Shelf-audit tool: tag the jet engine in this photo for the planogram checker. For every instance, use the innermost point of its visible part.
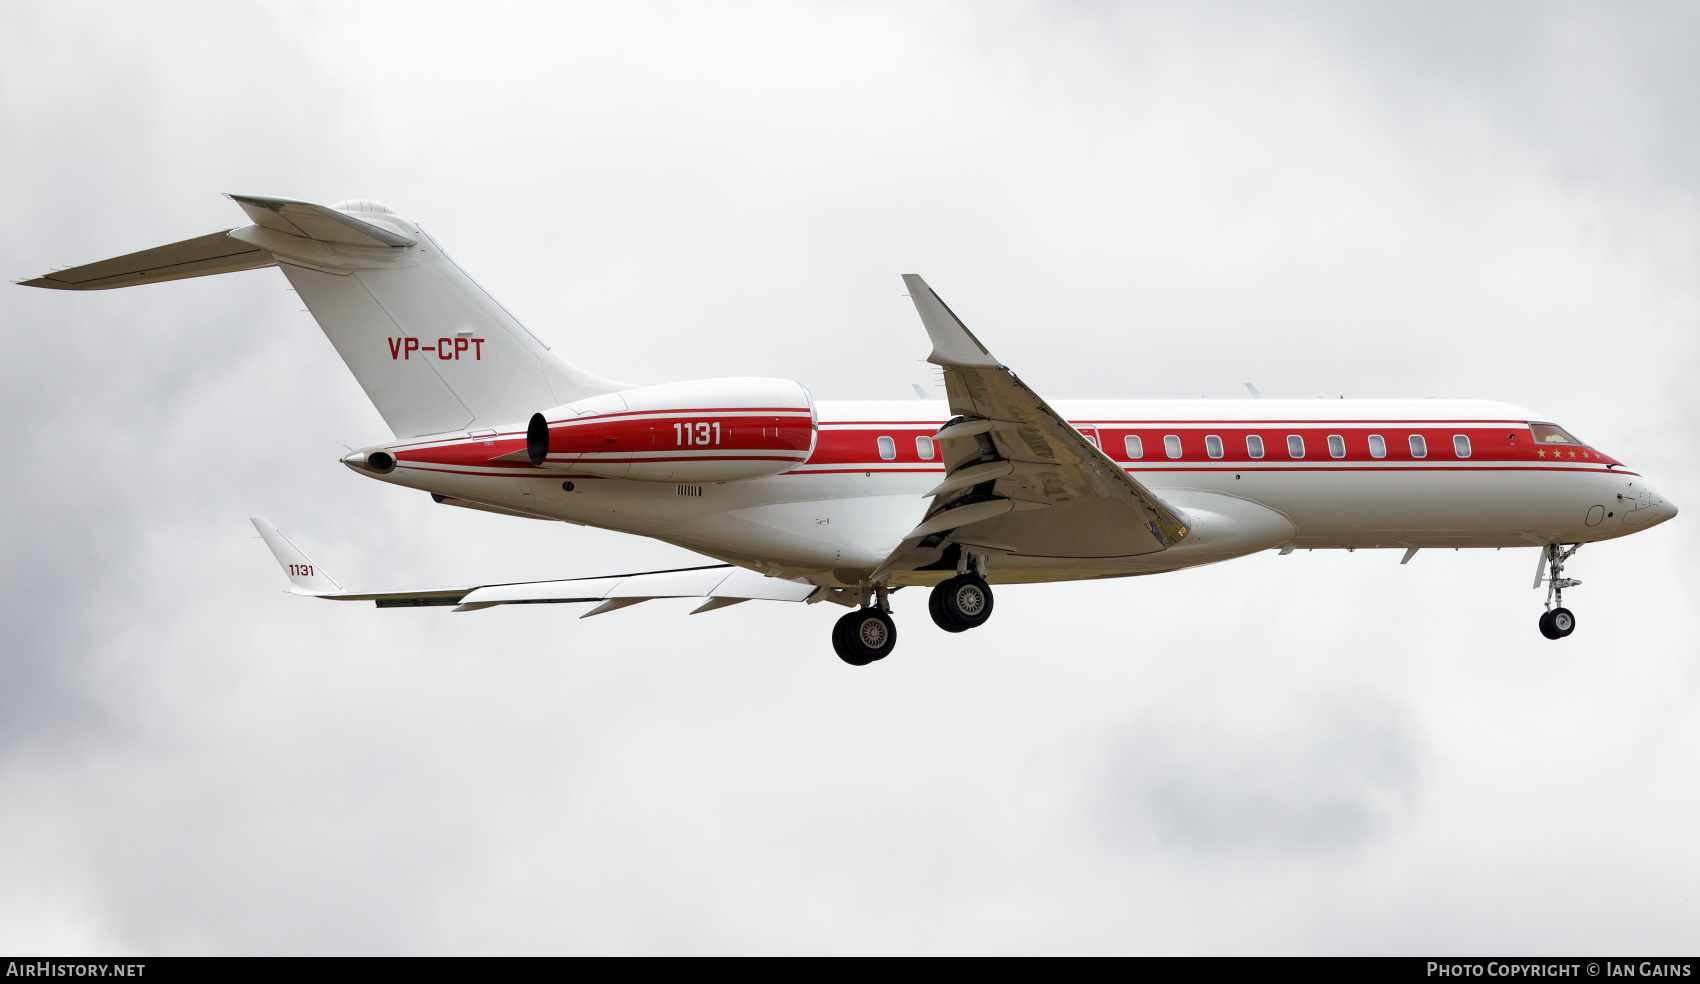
(706, 430)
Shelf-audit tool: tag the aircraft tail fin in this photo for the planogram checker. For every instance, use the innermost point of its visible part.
(434, 352)
(305, 577)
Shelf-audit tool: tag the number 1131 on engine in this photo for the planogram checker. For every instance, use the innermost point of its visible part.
(696, 433)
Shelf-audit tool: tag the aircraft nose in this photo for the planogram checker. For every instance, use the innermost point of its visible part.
(1653, 509)
(1667, 508)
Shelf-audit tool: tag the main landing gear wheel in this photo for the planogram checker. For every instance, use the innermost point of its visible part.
(964, 602)
(1558, 623)
(863, 636)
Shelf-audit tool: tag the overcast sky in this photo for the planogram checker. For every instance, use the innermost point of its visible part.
(1320, 753)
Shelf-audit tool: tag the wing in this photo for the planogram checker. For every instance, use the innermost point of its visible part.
(720, 585)
(1018, 477)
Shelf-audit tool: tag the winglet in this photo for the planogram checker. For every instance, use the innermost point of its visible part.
(953, 343)
(305, 577)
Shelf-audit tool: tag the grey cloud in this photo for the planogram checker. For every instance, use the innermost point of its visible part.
(1306, 772)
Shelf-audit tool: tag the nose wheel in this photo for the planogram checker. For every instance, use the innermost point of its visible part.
(1558, 621)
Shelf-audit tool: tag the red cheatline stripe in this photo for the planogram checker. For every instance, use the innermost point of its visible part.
(777, 459)
(478, 474)
(1265, 422)
(689, 411)
(522, 471)
(934, 424)
(805, 470)
(1321, 466)
(1395, 466)
(1312, 424)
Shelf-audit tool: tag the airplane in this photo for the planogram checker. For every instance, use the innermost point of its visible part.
(849, 502)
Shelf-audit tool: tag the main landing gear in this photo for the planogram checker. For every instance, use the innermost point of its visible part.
(1558, 621)
(869, 633)
(964, 602)
(864, 635)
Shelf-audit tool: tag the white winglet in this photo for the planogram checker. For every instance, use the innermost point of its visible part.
(305, 577)
(953, 343)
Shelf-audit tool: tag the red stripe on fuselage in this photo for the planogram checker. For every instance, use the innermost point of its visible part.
(851, 446)
(1489, 441)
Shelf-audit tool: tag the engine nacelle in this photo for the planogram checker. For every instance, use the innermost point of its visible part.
(705, 430)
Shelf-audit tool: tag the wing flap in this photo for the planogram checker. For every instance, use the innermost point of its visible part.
(719, 581)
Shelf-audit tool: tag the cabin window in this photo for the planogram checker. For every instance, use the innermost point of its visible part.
(888, 448)
(1295, 446)
(1172, 444)
(1254, 445)
(1336, 446)
(924, 447)
(1377, 446)
(1213, 446)
(1419, 447)
(1461, 445)
(1135, 447)
(1553, 434)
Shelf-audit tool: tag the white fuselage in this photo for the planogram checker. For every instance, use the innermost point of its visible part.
(1482, 480)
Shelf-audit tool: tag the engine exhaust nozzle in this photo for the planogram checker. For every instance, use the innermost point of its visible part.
(377, 462)
(537, 439)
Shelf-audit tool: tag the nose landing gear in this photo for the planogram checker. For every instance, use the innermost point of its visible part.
(1558, 621)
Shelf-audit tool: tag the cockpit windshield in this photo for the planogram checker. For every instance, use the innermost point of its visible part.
(1553, 434)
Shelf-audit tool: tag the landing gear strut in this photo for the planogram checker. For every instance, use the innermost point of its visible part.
(867, 634)
(1558, 621)
(964, 602)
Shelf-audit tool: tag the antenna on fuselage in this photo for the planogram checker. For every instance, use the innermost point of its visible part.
(1254, 393)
